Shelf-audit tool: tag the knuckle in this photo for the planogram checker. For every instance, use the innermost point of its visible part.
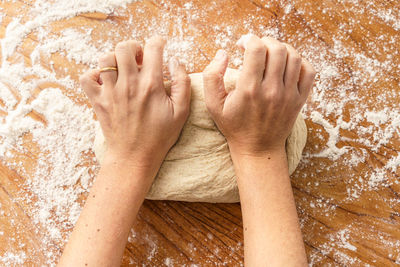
(250, 93)
(106, 106)
(297, 59)
(121, 46)
(313, 72)
(156, 42)
(83, 79)
(309, 69)
(310, 74)
(133, 45)
(294, 54)
(289, 47)
(289, 97)
(277, 48)
(292, 51)
(250, 87)
(269, 39)
(87, 80)
(256, 47)
(274, 95)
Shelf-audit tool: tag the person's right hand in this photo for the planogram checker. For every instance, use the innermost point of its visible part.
(258, 116)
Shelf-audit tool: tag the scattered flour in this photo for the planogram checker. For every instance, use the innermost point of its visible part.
(13, 259)
(356, 119)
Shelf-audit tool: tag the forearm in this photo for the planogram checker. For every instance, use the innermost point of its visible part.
(100, 235)
(272, 233)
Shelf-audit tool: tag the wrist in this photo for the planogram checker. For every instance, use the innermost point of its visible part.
(133, 160)
(132, 168)
(255, 169)
(272, 153)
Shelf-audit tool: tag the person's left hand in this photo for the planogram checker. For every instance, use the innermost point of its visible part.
(139, 119)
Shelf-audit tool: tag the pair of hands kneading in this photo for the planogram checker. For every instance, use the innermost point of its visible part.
(254, 110)
(199, 167)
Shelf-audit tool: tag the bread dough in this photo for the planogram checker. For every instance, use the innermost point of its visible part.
(199, 167)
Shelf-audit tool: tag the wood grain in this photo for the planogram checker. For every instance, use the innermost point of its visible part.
(339, 229)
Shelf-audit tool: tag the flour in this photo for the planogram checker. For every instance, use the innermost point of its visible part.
(64, 134)
(76, 126)
(13, 259)
(348, 80)
(73, 45)
(43, 12)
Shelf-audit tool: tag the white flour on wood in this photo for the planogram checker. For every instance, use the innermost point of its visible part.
(340, 104)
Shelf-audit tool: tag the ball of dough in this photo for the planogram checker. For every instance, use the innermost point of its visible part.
(199, 167)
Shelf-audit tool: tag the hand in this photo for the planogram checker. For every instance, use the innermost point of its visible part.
(272, 87)
(139, 119)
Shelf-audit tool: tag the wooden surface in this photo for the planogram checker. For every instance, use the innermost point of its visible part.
(346, 219)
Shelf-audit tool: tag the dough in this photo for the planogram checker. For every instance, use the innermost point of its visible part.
(199, 167)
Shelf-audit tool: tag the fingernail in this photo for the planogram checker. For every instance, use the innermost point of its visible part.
(173, 65)
(221, 55)
(139, 55)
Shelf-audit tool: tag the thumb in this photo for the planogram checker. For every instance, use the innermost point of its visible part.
(180, 85)
(213, 81)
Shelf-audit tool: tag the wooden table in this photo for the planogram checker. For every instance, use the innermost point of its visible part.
(346, 188)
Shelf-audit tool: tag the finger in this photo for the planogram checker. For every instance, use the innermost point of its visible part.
(254, 61)
(213, 81)
(180, 86)
(90, 83)
(243, 41)
(276, 60)
(125, 54)
(153, 58)
(109, 78)
(306, 81)
(293, 66)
